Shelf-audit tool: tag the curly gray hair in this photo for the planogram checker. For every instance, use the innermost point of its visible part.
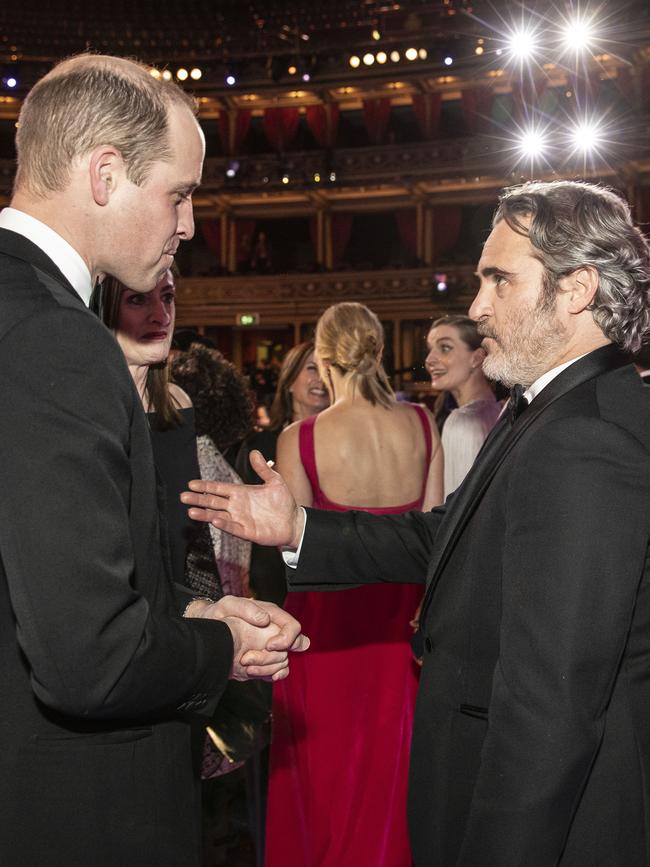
(575, 224)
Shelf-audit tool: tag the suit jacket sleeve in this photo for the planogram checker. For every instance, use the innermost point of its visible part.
(95, 646)
(345, 549)
(573, 558)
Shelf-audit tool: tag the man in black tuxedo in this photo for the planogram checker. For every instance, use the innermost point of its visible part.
(531, 743)
(99, 668)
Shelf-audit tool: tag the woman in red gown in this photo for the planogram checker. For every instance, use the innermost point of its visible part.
(342, 720)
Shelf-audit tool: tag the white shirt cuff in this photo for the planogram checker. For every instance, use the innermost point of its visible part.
(292, 555)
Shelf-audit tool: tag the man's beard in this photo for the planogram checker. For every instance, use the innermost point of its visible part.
(525, 345)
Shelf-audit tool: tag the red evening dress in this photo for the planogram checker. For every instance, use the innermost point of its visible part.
(343, 718)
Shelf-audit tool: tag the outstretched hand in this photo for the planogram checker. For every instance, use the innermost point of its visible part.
(266, 514)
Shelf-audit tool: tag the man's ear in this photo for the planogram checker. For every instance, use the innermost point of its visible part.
(580, 287)
(105, 168)
(478, 357)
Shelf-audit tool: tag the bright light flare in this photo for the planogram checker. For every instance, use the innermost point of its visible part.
(586, 136)
(578, 35)
(522, 44)
(532, 143)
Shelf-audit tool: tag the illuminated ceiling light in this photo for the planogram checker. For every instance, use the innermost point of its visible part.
(11, 82)
(195, 73)
(368, 59)
(354, 61)
(395, 56)
(522, 44)
(317, 177)
(586, 136)
(231, 80)
(155, 73)
(381, 57)
(578, 35)
(332, 176)
(167, 74)
(285, 178)
(532, 143)
(292, 69)
(448, 60)
(423, 54)
(479, 50)
(411, 54)
(182, 74)
(376, 35)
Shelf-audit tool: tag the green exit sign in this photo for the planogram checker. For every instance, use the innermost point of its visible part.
(248, 318)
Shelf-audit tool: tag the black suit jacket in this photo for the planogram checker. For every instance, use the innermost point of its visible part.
(95, 660)
(532, 734)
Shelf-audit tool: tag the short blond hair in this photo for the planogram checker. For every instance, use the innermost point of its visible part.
(351, 337)
(87, 101)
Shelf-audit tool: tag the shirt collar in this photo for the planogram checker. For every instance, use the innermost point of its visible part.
(533, 390)
(64, 256)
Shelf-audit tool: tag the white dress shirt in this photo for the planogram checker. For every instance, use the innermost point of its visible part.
(64, 256)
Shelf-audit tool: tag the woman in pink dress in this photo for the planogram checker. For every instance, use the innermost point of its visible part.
(342, 721)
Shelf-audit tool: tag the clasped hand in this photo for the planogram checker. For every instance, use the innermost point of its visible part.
(263, 635)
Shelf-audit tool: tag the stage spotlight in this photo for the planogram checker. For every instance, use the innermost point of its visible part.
(167, 74)
(306, 76)
(423, 54)
(531, 143)
(285, 178)
(448, 60)
(381, 57)
(586, 136)
(395, 56)
(376, 35)
(368, 59)
(231, 79)
(195, 73)
(155, 73)
(233, 168)
(292, 69)
(182, 74)
(441, 282)
(479, 50)
(11, 81)
(411, 54)
(317, 177)
(578, 35)
(522, 44)
(354, 61)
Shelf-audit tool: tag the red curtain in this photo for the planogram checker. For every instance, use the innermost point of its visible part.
(376, 113)
(244, 231)
(477, 109)
(407, 225)
(341, 231)
(211, 231)
(323, 122)
(447, 220)
(427, 108)
(281, 126)
(233, 138)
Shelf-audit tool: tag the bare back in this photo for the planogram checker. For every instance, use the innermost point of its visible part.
(366, 457)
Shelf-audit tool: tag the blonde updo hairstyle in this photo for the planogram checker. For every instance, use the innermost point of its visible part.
(350, 337)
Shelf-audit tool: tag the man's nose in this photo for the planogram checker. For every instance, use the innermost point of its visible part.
(482, 304)
(186, 220)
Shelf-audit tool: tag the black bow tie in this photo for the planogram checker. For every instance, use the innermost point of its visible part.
(517, 403)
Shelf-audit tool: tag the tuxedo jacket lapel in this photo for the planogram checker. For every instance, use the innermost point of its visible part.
(498, 445)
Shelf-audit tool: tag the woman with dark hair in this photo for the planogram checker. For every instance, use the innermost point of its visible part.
(299, 394)
(342, 729)
(454, 363)
(143, 324)
(223, 417)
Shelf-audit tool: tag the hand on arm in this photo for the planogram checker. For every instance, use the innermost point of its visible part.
(266, 514)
